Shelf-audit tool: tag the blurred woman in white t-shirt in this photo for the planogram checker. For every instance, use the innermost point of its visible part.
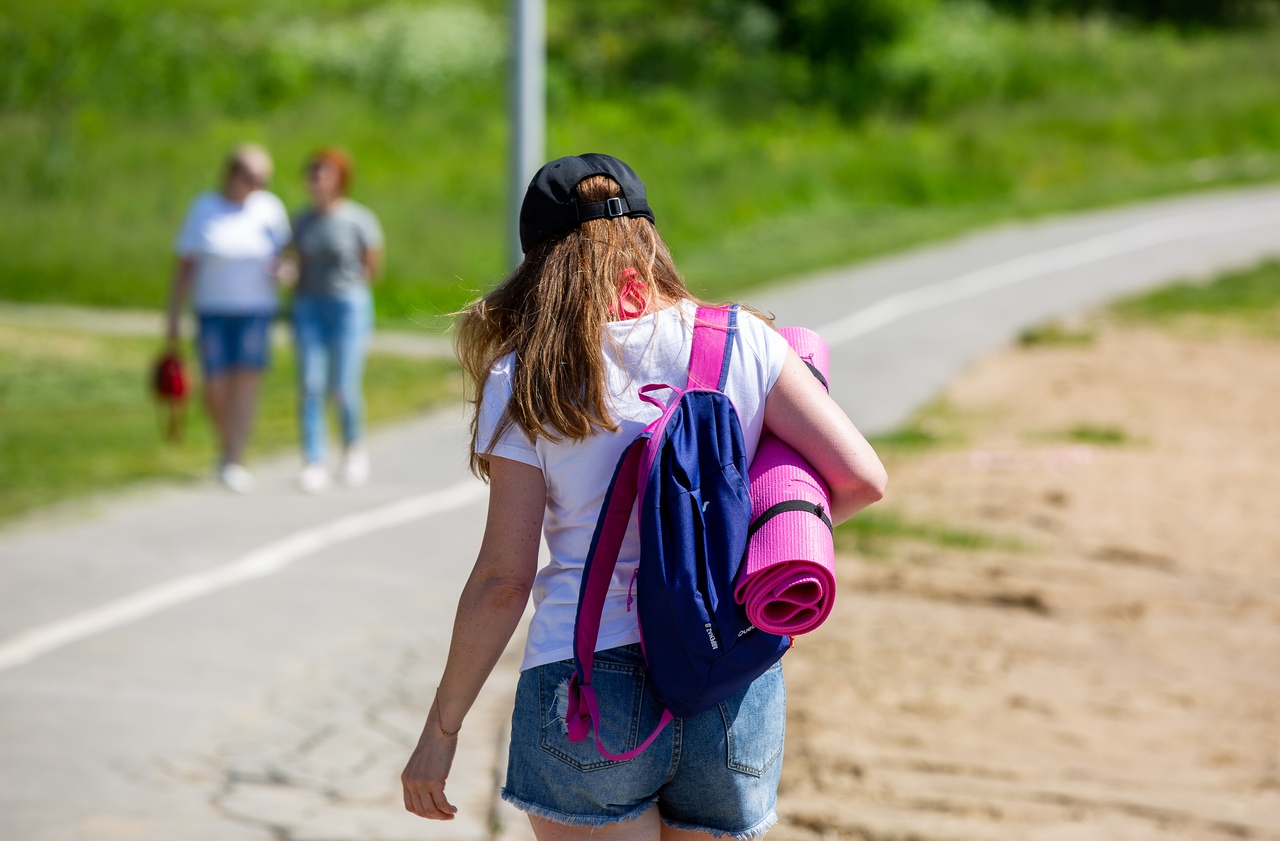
(227, 258)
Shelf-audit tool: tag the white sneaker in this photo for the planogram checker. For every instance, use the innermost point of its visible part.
(314, 479)
(236, 478)
(355, 469)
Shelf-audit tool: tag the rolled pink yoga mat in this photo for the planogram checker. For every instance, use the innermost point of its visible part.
(788, 583)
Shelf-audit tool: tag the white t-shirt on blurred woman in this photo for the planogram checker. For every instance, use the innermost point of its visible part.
(234, 246)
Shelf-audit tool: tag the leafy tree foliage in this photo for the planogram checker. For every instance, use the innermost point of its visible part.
(1184, 13)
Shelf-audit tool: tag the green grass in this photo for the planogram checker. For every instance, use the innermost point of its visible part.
(1055, 334)
(907, 439)
(936, 424)
(872, 532)
(128, 189)
(1249, 298)
(1102, 435)
(76, 415)
(1109, 436)
(1067, 116)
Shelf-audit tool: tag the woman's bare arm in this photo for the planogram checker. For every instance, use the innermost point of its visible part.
(489, 610)
(804, 416)
(184, 271)
(372, 259)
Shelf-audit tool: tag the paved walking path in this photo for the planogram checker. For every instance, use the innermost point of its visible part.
(112, 322)
(189, 664)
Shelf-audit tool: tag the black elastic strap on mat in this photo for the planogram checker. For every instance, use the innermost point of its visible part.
(813, 369)
(790, 505)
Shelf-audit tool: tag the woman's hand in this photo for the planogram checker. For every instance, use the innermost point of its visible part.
(286, 272)
(489, 610)
(184, 272)
(371, 259)
(424, 776)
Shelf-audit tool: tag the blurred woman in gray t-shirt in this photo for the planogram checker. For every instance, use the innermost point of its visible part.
(339, 245)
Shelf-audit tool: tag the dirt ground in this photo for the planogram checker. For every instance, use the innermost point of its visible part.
(1108, 666)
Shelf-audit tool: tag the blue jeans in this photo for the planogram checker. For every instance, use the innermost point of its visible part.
(331, 334)
(715, 772)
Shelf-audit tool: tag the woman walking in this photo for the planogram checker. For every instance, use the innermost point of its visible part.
(339, 244)
(228, 254)
(556, 353)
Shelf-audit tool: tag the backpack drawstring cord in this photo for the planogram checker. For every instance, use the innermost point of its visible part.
(631, 586)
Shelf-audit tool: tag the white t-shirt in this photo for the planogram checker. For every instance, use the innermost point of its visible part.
(234, 247)
(651, 349)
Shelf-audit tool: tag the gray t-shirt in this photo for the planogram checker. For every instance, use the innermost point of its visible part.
(332, 247)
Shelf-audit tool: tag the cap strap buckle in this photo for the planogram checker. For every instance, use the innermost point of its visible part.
(614, 207)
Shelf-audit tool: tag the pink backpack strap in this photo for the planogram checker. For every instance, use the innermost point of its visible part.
(713, 331)
(603, 557)
(582, 716)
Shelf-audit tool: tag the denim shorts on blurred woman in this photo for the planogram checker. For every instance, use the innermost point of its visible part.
(715, 772)
(233, 341)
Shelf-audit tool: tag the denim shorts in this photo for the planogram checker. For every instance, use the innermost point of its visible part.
(233, 341)
(715, 772)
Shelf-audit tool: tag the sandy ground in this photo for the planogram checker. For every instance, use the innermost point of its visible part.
(1110, 667)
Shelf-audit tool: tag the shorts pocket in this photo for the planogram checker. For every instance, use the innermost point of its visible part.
(755, 723)
(620, 692)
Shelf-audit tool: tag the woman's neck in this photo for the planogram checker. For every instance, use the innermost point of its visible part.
(325, 204)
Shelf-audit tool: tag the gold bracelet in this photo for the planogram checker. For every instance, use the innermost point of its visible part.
(440, 724)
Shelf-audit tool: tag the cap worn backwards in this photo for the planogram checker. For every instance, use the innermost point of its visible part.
(551, 208)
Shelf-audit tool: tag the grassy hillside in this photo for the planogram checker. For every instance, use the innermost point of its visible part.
(759, 165)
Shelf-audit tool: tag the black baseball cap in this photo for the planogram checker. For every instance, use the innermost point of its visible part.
(551, 208)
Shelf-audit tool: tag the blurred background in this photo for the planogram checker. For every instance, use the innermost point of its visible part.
(786, 135)
(780, 136)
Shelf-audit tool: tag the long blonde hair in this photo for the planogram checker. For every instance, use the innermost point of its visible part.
(551, 313)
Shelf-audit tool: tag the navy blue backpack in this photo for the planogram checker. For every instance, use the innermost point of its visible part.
(689, 471)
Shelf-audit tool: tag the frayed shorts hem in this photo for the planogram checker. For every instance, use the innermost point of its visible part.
(751, 832)
(595, 821)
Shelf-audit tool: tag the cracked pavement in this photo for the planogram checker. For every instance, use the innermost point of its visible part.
(331, 771)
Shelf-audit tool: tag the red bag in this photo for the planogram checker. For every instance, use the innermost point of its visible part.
(169, 383)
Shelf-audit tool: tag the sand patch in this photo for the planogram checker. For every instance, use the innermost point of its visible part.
(1109, 668)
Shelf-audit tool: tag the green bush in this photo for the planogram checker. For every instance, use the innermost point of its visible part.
(1185, 13)
(842, 40)
(757, 58)
(177, 62)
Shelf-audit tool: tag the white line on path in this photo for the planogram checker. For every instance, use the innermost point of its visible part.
(259, 563)
(1094, 250)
